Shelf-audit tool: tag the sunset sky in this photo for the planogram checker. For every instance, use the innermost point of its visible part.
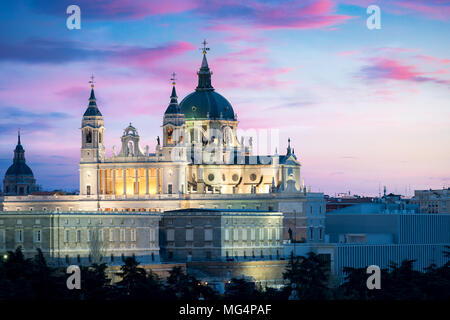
(363, 108)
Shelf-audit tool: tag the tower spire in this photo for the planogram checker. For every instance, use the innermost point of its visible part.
(92, 109)
(288, 152)
(204, 74)
(18, 137)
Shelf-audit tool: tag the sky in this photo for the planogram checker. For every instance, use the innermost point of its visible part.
(364, 108)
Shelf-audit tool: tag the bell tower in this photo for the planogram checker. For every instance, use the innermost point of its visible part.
(173, 124)
(92, 145)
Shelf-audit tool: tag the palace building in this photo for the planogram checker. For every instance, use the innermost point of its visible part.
(200, 164)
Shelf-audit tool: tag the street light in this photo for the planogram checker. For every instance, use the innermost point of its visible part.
(5, 257)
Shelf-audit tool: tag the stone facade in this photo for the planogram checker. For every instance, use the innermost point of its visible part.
(215, 234)
(81, 237)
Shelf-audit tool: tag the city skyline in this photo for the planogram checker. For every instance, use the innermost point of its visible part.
(363, 108)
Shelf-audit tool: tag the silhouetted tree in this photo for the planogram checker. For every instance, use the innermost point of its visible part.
(310, 275)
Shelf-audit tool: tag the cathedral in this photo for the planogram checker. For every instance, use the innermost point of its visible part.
(200, 153)
(201, 194)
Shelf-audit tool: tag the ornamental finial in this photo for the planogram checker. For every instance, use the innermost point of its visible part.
(205, 48)
(173, 79)
(92, 81)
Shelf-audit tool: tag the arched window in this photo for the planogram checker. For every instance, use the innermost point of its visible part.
(169, 135)
(88, 136)
(100, 137)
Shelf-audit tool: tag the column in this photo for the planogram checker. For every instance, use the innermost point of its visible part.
(157, 181)
(136, 182)
(114, 181)
(146, 181)
(98, 181)
(124, 181)
(103, 180)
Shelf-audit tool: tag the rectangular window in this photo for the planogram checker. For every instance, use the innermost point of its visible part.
(269, 234)
(2, 236)
(19, 235)
(111, 234)
(235, 234)
(66, 236)
(253, 234)
(37, 235)
(208, 235)
(261, 234)
(133, 234)
(122, 235)
(189, 234)
(152, 233)
(78, 236)
(170, 235)
(169, 188)
(244, 234)
(89, 236)
(101, 235)
(227, 234)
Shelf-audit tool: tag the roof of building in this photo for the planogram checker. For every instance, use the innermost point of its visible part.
(204, 102)
(376, 208)
(216, 210)
(19, 167)
(92, 109)
(173, 107)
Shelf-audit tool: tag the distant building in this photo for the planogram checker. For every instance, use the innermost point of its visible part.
(432, 201)
(334, 203)
(19, 179)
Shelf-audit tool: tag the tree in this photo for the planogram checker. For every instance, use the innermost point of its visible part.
(133, 280)
(95, 285)
(186, 287)
(310, 276)
(240, 289)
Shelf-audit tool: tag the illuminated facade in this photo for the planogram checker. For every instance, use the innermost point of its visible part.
(199, 163)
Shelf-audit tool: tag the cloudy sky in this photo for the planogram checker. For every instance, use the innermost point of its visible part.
(363, 108)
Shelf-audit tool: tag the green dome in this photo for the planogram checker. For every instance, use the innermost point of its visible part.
(204, 102)
(206, 105)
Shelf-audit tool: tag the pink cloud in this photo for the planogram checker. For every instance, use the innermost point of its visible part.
(271, 16)
(436, 9)
(394, 69)
(145, 57)
(118, 9)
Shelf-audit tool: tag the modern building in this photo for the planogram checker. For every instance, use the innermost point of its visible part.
(379, 234)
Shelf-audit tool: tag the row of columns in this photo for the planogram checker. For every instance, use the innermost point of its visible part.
(102, 180)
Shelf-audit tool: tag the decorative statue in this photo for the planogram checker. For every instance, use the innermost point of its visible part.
(157, 140)
(114, 151)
